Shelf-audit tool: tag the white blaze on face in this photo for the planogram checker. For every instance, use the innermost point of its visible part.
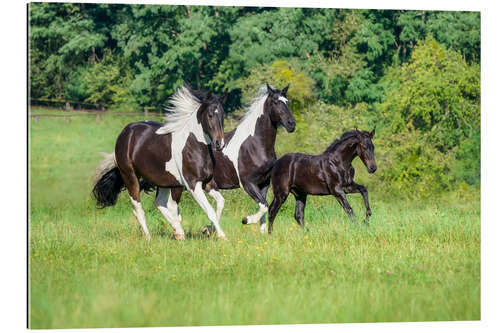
(216, 110)
(283, 99)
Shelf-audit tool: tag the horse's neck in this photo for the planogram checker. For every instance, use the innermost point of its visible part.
(260, 129)
(265, 134)
(192, 127)
(345, 153)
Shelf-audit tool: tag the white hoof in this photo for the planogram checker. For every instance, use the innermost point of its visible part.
(179, 236)
(222, 236)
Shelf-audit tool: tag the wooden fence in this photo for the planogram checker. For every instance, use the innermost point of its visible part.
(65, 113)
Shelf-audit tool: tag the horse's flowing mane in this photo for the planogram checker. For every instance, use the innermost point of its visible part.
(182, 107)
(347, 135)
(256, 107)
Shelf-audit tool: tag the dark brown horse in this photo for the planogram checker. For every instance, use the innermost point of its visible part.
(247, 159)
(170, 156)
(329, 173)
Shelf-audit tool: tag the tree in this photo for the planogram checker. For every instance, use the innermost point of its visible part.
(61, 37)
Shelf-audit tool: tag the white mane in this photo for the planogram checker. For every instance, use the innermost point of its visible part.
(245, 128)
(182, 109)
(255, 110)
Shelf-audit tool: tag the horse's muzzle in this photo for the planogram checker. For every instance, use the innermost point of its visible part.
(372, 169)
(219, 144)
(290, 126)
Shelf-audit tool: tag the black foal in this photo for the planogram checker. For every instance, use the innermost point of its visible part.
(329, 173)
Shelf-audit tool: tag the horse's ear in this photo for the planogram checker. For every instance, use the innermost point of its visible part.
(208, 96)
(269, 89)
(223, 98)
(285, 90)
(372, 133)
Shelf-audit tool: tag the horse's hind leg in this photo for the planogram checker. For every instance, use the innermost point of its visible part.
(169, 209)
(299, 208)
(133, 187)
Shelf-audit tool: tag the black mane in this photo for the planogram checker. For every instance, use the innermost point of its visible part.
(347, 135)
(202, 96)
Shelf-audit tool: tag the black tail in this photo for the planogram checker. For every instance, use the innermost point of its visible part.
(108, 187)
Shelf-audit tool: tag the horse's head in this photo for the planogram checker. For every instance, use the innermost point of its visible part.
(366, 149)
(211, 116)
(277, 104)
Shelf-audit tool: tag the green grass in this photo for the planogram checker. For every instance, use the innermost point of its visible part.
(417, 261)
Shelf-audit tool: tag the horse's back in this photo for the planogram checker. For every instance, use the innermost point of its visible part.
(140, 149)
(301, 172)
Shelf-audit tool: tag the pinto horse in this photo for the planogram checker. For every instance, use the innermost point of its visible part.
(329, 173)
(248, 157)
(170, 156)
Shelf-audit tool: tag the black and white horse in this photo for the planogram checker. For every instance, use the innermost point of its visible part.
(248, 157)
(170, 156)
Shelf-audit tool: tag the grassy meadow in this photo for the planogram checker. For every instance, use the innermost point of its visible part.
(418, 260)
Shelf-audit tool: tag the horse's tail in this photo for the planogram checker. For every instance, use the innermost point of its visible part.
(108, 182)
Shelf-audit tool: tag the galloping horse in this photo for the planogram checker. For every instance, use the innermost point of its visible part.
(170, 156)
(328, 173)
(248, 157)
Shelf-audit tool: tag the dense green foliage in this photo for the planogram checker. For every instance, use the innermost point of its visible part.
(413, 74)
(417, 261)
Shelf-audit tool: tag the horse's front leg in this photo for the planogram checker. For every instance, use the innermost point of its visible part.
(212, 190)
(341, 198)
(255, 192)
(263, 226)
(202, 200)
(166, 201)
(357, 188)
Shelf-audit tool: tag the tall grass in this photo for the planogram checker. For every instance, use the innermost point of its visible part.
(416, 261)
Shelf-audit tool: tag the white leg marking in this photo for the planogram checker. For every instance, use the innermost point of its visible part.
(251, 219)
(170, 211)
(201, 199)
(263, 225)
(219, 199)
(139, 214)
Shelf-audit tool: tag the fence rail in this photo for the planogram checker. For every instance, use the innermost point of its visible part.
(68, 105)
(79, 113)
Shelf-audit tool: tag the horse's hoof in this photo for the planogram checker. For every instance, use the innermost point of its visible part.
(222, 237)
(206, 231)
(148, 237)
(179, 236)
(244, 221)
